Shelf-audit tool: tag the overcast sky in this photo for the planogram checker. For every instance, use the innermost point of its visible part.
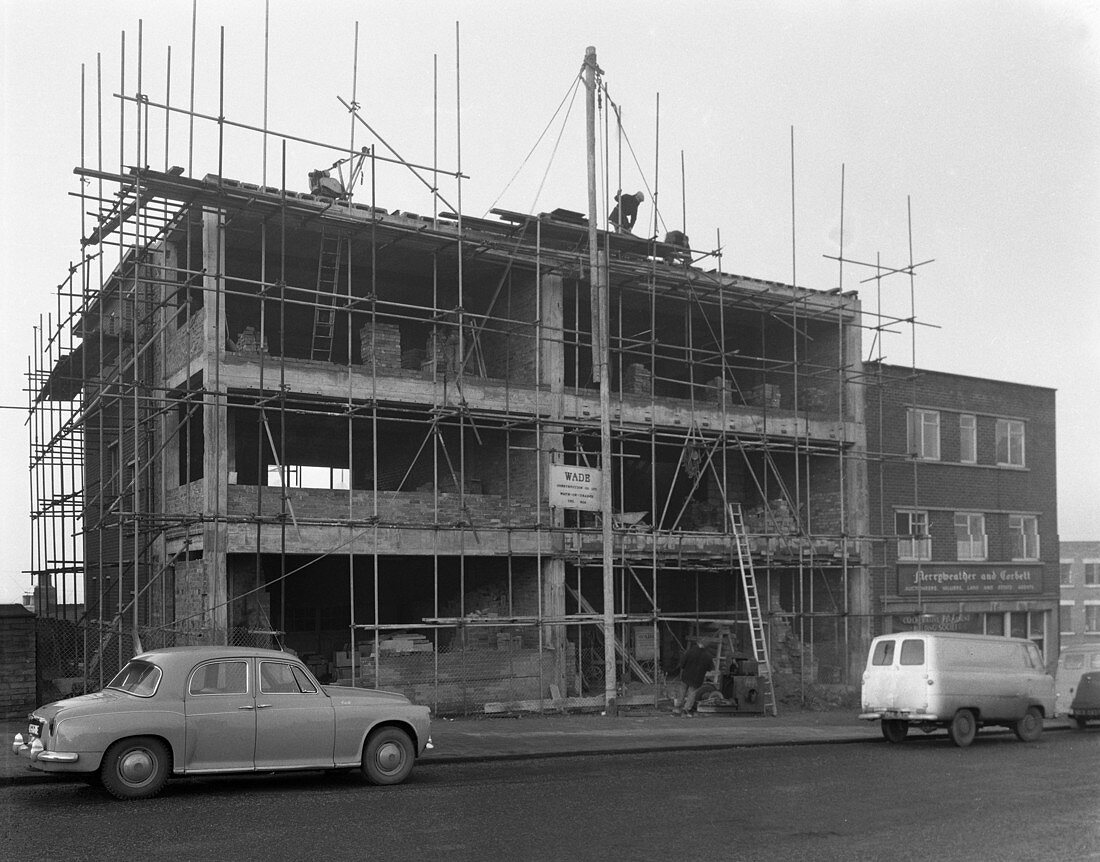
(984, 115)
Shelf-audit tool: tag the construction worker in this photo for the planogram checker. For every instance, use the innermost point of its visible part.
(695, 664)
(624, 215)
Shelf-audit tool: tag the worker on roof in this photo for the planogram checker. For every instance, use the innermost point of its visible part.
(622, 218)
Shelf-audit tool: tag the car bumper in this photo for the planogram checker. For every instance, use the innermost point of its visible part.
(36, 752)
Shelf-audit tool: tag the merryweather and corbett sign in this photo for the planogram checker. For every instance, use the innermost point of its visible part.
(970, 579)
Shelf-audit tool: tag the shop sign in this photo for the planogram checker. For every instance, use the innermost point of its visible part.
(969, 579)
(575, 487)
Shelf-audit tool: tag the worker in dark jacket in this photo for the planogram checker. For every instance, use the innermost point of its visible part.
(622, 218)
(695, 664)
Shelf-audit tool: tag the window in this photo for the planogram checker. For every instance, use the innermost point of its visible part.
(1024, 530)
(111, 470)
(305, 476)
(1092, 617)
(1065, 617)
(884, 653)
(1010, 443)
(1065, 571)
(924, 434)
(138, 677)
(279, 677)
(220, 677)
(970, 536)
(912, 652)
(914, 543)
(1092, 573)
(968, 439)
(1018, 624)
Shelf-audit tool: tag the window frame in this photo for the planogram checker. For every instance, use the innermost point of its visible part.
(191, 692)
(1092, 609)
(920, 437)
(975, 548)
(1008, 432)
(1070, 605)
(1091, 568)
(916, 546)
(968, 438)
(1017, 530)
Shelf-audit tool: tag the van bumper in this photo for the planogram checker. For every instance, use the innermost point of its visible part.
(897, 715)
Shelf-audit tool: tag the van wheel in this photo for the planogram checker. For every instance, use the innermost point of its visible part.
(1030, 727)
(1081, 722)
(963, 728)
(895, 730)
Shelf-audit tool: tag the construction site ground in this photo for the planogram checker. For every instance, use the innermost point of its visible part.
(518, 737)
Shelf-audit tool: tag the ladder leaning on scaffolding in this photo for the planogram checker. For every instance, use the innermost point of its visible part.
(328, 278)
(752, 605)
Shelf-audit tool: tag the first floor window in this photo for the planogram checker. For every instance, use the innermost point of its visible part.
(1092, 618)
(970, 536)
(1010, 442)
(914, 543)
(1092, 573)
(1065, 618)
(924, 434)
(1024, 530)
(968, 439)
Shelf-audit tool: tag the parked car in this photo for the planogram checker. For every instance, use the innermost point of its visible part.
(202, 710)
(1073, 696)
(956, 681)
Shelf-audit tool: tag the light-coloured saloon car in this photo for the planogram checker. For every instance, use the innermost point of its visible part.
(208, 710)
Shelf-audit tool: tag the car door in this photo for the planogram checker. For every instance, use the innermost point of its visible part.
(220, 712)
(295, 722)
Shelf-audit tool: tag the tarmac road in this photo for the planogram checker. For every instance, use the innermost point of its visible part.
(925, 799)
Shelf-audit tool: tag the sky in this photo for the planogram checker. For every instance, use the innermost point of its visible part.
(970, 129)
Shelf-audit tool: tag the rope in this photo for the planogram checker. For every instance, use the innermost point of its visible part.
(571, 91)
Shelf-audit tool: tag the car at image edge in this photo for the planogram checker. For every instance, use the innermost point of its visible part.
(182, 711)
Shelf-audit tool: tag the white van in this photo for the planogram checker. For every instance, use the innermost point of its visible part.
(956, 681)
(1073, 663)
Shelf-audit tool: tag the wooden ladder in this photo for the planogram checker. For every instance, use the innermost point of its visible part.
(752, 605)
(324, 312)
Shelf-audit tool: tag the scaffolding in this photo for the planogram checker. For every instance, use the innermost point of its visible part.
(306, 420)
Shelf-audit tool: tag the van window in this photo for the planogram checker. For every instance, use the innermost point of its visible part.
(912, 652)
(884, 653)
(1073, 661)
(1096, 660)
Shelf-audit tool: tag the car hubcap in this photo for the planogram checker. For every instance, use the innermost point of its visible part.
(390, 757)
(136, 766)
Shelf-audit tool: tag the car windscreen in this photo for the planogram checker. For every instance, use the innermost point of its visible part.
(138, 677)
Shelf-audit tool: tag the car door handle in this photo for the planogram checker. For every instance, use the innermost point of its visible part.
(246, 707)
(263, 706)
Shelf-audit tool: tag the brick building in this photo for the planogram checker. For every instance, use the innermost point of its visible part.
(963, 493)
(1079, 611)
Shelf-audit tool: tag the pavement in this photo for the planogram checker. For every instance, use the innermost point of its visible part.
(523, 736)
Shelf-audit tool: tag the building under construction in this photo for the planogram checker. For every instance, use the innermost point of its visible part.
(299, 418)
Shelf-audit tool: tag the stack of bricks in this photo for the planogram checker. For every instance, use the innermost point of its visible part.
(381, 344)
(719, 391)
(637, 379)
(766, 395)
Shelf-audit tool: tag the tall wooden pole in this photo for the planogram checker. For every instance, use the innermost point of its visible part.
(597, 261)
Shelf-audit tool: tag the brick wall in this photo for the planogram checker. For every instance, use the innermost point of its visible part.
(944, 487)
(17, 661)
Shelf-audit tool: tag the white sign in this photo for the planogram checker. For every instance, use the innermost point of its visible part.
(575, 487)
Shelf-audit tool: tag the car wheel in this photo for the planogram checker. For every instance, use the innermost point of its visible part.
(963, 728)
(1030, 727)
(135, 768)
(388, 756)
(1080, 721)
(895, 730)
